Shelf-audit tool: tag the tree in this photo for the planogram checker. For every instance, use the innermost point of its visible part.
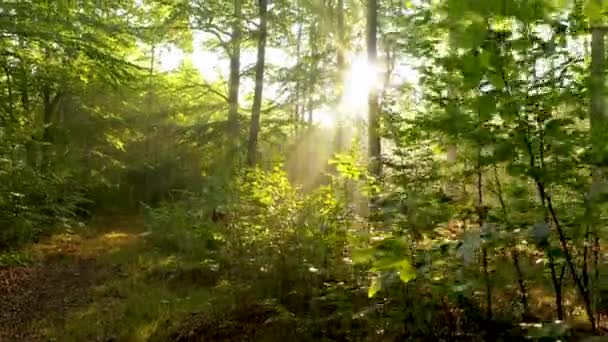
(235, 70)
(373, 108)
(259, 84)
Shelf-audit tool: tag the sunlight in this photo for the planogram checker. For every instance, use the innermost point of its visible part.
(324, 118)
(358, 82)
(170, 58)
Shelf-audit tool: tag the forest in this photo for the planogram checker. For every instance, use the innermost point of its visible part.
(303, 170)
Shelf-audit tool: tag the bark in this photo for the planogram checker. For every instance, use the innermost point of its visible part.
(481, 213)
(514, 253)
(9, 86)
(597, 117)
(313, 71)
(550, 214)
(49, 105)
(25, 100)
(259, 85)
(557, 286)
(584, 292)
(298, 90)
(341, 65)
(375, 165)
(234, 79)
(557, 282)
(546, 200)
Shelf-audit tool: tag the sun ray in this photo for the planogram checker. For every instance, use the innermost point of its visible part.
(360, 79)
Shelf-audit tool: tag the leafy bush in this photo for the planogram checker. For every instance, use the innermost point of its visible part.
(32, 203)
(281, 242)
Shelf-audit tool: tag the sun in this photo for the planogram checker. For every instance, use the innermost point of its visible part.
(359, 80)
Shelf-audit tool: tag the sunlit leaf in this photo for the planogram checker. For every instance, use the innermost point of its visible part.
(363, 255)
(406, 271)
(374, 287)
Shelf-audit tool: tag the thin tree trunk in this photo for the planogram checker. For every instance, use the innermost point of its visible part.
(514, 253)
(550, 212)
(147, 177)
(49, 105)
(557, 286)
(481, 214)
(259, 85)
(298, 107)
(25, 100)
(546, 198)
(596, 276)
(375, 165)
(313, 71)
(9, 87)
(584, 293)
(341, 65)
(234, 80)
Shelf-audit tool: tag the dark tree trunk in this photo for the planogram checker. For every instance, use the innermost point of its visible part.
(298, 90)
(259, 85)
(235, 69)
(514, 253)
(375, 165)
(313, 72)
(341, 65)
(598, 120)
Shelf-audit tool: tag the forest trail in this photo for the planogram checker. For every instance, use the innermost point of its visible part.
(60, 279)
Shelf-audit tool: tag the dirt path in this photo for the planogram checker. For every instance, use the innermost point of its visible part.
(61, 277)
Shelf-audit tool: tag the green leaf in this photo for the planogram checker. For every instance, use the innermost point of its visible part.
(474, 35)
(504, 151)
(485, 59)
(363, 255)
(593, 10)
(406, 271)
(497, 81)
(374, 287)
(487, 106)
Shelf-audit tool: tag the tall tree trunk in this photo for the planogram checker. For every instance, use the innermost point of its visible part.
(551, 214)
(25, 100)
(259, 85)
(597, 117)
(481, 216)
(513, 245)
(9, 88)
(375, 165)
(313, 70)
(49, 105)
(341, 65)
(235, 69)
(298, 90)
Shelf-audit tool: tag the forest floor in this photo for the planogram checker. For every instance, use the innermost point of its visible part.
(88, 284)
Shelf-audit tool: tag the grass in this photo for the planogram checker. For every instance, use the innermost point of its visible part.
(134, 295)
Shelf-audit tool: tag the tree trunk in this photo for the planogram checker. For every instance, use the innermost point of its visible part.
(514, 253)
(259, 85)
(557, 286)
(49, 105)
(597, 118)
(298, 105)
(9, 88)
(341, 65)
(375, 165)
(234, 81)
(481, 214)
(313, 70)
